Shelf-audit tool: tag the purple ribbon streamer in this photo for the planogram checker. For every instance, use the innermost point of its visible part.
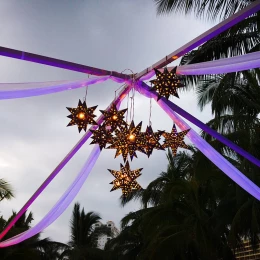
(203, 146)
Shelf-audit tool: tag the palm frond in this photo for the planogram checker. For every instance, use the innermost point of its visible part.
(82, 226)
(202, 8)
(6, 191)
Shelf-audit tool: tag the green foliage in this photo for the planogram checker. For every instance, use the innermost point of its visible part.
(209, 9)
(33, 248)
(83, 236)
(6, 191)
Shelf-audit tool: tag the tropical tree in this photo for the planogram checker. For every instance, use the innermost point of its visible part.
(211, 9)
(33, 248)
(234, 101)
(84, 235)
(6, 191)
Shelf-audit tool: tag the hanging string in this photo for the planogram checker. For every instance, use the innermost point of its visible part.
(133, 100)
(86, 93)
(150, 116)
(133, 104)
(129, 70)
(127, 108)
(119, 89)
(130, 112)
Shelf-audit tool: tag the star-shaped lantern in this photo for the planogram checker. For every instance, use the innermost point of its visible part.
(128, 140)
(175, 140)
(125, 179)
(114, 118)
(166, 83)
(101, 136)
(152, 140)
(82, 116)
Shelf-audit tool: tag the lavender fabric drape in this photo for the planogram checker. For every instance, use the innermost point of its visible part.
(22, 90)
(61, 205)
(31, 89)
(227, 65)
(204, 147)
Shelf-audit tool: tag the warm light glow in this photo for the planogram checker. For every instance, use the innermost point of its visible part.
(125, 179)
(131, 137)
(81, 115)
(166, 83)
(114, 117)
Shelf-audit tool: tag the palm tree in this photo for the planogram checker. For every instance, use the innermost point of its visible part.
(210, 8)
(6, 191)
(129, 243)
(33, 248)
(83, 235)
(50, 250)
(234, 100)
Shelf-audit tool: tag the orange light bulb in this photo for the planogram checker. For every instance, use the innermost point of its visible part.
(131, 137)
(114, 117)
(81, 115)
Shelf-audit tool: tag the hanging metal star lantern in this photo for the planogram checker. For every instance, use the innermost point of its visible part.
(152, 140)
(128, 141)
(166, 83)
(125, 179)
(114, 118)
(82, 116)
(175, 139)
(101, 136)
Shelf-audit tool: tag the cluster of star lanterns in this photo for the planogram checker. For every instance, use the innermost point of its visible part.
(128, 139)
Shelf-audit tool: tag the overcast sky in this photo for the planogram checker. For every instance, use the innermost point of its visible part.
(113, 35)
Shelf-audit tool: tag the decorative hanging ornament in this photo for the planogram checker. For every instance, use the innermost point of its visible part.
(175, 139)
(114, 118)
(82, 116)
(128, 141)
(166, 83)
(125, 179)
(101, 136)
(152, 140)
